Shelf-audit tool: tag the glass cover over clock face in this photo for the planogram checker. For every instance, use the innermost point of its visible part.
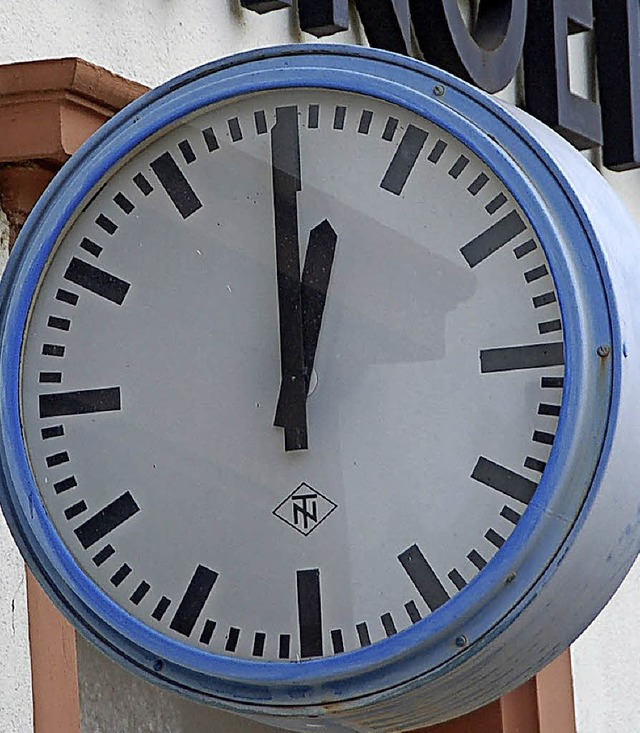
(293, 375)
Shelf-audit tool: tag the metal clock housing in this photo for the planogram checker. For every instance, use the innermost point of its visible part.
(317, 390)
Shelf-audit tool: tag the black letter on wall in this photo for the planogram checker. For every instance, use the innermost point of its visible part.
(387, 24)
(487, 54)
(323, 17)
(265, 6)
(546, 70)
(618, 60)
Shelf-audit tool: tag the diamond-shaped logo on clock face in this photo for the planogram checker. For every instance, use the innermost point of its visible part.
(304, 509)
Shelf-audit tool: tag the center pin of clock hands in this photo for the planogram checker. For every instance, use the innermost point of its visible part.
(301, 301)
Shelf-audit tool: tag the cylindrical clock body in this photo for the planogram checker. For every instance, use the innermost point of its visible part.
(318, 384)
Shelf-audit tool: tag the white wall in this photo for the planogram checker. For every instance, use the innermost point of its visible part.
(15, 677)
(150, 41)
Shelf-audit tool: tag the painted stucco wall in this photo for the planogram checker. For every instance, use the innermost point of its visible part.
(150, 41)
(15, 679)
(146, 40)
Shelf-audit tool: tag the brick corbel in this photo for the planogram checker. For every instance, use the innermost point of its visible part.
(49, 108)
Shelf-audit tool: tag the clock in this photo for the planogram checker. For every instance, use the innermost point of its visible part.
(318, 372)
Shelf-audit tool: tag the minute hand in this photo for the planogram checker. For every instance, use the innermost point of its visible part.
(285, 167)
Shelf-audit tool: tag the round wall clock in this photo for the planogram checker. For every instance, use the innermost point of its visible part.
(318, 381)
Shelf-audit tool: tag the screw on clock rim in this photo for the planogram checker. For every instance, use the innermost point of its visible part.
(402, 657)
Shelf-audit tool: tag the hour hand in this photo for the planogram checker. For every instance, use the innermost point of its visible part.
(313, 294)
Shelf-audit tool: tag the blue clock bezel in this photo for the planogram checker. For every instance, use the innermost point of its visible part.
(569, 484)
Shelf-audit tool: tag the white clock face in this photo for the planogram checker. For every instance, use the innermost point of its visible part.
(285, 242)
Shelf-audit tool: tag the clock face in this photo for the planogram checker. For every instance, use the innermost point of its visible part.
(292, 375)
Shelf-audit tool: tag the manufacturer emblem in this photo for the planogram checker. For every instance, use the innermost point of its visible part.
(304, 509)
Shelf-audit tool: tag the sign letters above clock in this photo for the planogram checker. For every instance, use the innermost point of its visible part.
(318, 381)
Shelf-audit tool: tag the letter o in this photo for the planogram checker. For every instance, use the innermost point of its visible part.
(486, 55)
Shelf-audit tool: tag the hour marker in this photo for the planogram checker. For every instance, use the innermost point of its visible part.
(478, 184)
(412, 612)
(493, 238)
(107, 519)
(552, 382)
(512, 358)
(234, 129)
(284, 646)
(62, 324)
(79, 402)
(363, 634)
(437, 151)
(535, 274)
(365, 122)
(57, 459)
(339, 117)
(66, 297)
(207, 631)
(544, 299)
(75, 509)
(55, 431)
(337, 641)
(549, 326)
(551, 410)
(493, 205)
(503, 480)
(423, 577)
(260, 122)
(496, 539)
(160, 610)
(477, 559)
(65, 484)
(98, 281)
(388, 625)
(192, 603)
(121, 573)
(122, 202)
(309, 612)
(140, 592)
(457, 579)
(106, 224)
(404, 160)
(534, 464)
(540, 436)
(232, 640)
(524, 249)
(187, 151)
(91, 247)
(178, 189)
(52, 350)
(105, 553)
(50, 377)
(390, 129)
(143, 184)
(210, 139)
(314, 116)
(457, 168)
(259, 639)
(510, 515)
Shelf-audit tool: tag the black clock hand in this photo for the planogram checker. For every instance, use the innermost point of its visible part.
(285, 168)
(318, 262)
